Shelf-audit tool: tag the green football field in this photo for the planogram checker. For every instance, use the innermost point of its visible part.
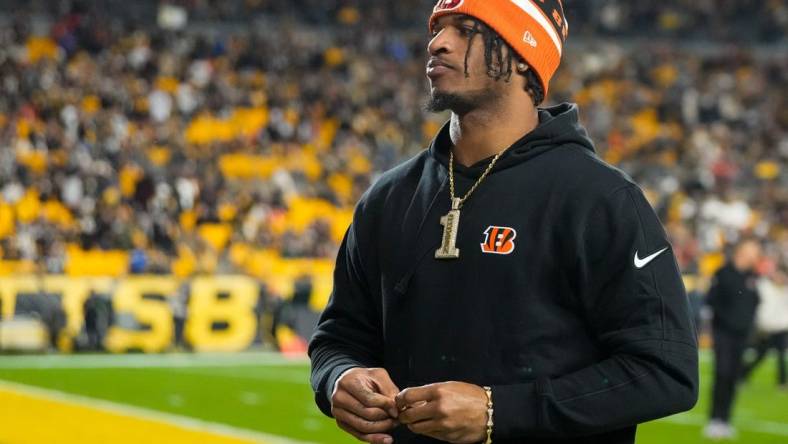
(270, 394)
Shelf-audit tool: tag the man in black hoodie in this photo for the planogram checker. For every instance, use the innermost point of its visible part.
(505, 283)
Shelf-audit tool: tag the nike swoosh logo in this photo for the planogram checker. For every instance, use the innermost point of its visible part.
(640, 263)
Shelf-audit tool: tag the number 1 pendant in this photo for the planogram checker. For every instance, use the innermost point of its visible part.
(450, 223)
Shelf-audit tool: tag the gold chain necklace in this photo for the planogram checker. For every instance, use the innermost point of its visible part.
(451, 221)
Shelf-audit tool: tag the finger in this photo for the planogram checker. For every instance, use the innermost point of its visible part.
(345, 400)
(430, 428)
(385, 385)
(369, 398)
(412, 395)
(373, 438)
(387, 388)
(420, 411)
(361, 424)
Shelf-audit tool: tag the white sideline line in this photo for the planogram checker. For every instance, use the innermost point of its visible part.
(751, 425)
(294, 379)
(148, 414)
(151, 360)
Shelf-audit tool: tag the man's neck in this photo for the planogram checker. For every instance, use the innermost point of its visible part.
(482, 133)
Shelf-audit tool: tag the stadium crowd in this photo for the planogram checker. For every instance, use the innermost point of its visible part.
(179, 152)
(734, 21)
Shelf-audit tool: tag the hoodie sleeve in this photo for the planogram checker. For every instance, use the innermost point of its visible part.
(348, 333)
(636, 308)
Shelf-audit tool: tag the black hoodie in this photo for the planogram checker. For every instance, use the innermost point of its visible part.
(566, 297)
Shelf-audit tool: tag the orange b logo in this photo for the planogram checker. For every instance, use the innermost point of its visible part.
(498, 240)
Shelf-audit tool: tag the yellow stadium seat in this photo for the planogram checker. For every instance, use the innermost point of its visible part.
(341, 185)
(227, 212)
(239, 253)
(185, 264)
(7, 225)
(96, 262)
(710, 263)
(23, 128)
(340, 221)
(334, 56)
(28, 207)
(16, 267)
(188, 220)
(349, 15)
(167, 84)
(246, 122)
(39, 48)
(326, 135)
(245, 166)
(35, 160)
(55, 212)
(359, 164)
(127, 179)
(91, 104)
(159, 155)
(216, 235)
(767, 170)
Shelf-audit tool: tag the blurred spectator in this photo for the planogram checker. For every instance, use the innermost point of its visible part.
(179, 306)
(772, 324)
(98, 318)
(733, 297)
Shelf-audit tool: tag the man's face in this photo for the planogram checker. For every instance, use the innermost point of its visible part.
(449, 86)
(750, 254)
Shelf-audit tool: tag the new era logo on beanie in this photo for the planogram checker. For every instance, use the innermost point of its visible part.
(535, 29)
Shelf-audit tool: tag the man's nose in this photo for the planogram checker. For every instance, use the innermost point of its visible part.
(439, 44)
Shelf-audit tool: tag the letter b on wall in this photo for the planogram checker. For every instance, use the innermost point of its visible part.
(221, 313)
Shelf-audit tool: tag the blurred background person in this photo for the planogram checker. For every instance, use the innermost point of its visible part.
(771, 324)
(733, 297)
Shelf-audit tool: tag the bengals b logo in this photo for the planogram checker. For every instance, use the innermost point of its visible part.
(447, 4)
(498, 240)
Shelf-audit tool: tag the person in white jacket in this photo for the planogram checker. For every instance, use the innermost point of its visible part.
(772, 324)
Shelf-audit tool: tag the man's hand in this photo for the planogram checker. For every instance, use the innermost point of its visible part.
(363, 404)
(449, 411)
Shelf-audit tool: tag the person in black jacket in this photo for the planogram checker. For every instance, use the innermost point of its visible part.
(733, 297)
(505, 283)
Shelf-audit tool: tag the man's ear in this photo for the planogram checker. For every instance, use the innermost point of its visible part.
(522, 67)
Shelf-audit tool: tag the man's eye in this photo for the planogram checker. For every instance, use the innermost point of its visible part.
(465, 30)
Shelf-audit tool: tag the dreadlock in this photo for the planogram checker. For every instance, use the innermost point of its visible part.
(499, 66)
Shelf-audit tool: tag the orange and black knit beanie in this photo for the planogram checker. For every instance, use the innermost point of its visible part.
(535, 29)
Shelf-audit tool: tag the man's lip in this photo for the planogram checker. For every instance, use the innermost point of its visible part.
(434, 63)
(437, 70)
(437, 67)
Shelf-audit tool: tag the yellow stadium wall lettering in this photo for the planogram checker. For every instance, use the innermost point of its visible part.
(72, 291)
(220, 315)
(229, 300)
(11, 287)
(130, 298)
(7, 298)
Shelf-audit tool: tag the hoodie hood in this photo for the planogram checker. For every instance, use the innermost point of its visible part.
(558, 125)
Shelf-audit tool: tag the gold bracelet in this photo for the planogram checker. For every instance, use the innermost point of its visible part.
(488, 391)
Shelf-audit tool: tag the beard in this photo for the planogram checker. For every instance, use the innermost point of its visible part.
(460, 103)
